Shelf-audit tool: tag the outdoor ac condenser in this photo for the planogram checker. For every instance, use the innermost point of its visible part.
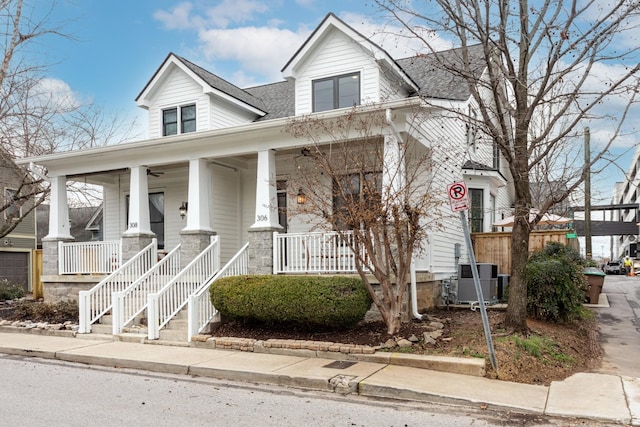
(488, 274)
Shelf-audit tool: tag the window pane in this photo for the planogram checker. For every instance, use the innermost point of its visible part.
(170, 122)
(477, 210)
(188, 112)
(323, 95)
(349, 91)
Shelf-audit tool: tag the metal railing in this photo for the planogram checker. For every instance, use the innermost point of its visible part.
(313, 253)
(133, 300)
(89, 257)
(200, 310)
(168, 301)
(97, 301)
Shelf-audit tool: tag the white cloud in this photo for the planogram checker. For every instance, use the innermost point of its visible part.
(235, 11)
(56, 94)
(260, 50)
(178, 18)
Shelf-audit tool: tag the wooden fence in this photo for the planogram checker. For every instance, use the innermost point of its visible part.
(495, 248)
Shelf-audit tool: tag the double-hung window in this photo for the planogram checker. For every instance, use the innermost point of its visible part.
(336, 92)
(476, 217)
(353, 194)
(184, 116)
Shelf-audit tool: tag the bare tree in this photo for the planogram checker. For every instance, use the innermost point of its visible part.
(561, 60)
(374, 192)
(38, 117)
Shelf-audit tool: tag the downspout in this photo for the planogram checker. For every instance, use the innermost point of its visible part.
(414, 295)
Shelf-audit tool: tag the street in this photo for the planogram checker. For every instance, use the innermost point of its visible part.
(619, 328)
(39, 392)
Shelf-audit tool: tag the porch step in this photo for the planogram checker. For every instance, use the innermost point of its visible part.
(101, 329)
(174, 335)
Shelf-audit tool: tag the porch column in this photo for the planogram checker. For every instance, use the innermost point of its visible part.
(260, 249)
(393, 169)
(198, 215)
(138, 233)
(196, 236)
(59, 229)
(266, 201)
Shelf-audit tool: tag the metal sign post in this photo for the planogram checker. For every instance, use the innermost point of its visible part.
(460, 203)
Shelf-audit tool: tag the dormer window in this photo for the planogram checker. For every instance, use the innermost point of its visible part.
(185, 115)
(336, 92)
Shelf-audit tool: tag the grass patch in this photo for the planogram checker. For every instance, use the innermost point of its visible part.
(542, 348)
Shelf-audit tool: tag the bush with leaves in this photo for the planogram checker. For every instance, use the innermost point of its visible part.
(10, 291)
(306, 302)
(556, 284)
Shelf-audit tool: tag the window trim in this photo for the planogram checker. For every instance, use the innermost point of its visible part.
(179, 123)
(336, 90)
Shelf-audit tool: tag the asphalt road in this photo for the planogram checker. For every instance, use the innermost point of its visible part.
(37, 392)
(619, 326)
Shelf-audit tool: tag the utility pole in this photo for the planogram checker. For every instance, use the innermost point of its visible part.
(587, 193)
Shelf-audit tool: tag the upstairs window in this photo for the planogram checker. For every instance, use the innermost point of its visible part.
(336, 92)
(185, 115)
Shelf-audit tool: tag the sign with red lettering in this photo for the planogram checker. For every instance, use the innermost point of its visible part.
(458, 196)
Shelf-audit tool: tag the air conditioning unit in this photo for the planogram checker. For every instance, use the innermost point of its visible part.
(488, 275)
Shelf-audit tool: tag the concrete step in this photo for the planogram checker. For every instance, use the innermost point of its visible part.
(107, 319)
(101, 328)
(173, 335)
(177, 324)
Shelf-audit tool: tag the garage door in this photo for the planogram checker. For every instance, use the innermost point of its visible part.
(14, 266)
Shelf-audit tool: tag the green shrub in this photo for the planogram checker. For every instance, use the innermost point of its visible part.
(300, 301)
(555, 284)
(10, 291)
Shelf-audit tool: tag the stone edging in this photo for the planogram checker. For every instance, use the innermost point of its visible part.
(310, 349)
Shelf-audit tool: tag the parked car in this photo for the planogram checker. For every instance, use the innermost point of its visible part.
(613, 267)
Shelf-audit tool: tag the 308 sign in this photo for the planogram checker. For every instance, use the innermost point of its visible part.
(458, 196)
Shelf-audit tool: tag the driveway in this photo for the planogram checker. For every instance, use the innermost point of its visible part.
(620, 327)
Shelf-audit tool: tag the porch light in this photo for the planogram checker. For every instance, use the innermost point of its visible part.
(301, 197)
(184, 207)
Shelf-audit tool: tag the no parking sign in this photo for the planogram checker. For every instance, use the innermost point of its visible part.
(458, 196)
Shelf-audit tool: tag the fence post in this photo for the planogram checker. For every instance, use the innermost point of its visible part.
(83, 306)
(117, 309)
(193, 314)
(152, 317)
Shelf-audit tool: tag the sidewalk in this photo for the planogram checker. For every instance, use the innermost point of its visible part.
(608, 398)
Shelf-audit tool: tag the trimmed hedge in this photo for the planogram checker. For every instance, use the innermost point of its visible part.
(303, 301)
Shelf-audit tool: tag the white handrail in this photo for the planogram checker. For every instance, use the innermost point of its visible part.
(89, 257)
(313, 253)
(97, 301)
(168, 301)
(132, 301)
(200, 310)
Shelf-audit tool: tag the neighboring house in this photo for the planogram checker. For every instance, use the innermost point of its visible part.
(16, 248)
(218, 159)
(85, 222)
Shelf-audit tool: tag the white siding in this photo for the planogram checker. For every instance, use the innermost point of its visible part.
(224, 114)
(178, 89)
(226, 210)
(337, 55)
(248, 200)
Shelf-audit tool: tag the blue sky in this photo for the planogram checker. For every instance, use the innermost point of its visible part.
(119, 44)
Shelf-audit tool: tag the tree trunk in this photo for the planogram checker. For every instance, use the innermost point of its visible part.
(516, 316)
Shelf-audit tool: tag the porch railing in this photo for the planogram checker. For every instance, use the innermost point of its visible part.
(313, 253)
(132, 301)
(89, 257)
(200, 310)
(97, 301)
(169, 300)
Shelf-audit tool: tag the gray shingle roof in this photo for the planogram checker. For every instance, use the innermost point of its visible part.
(223, 85)
(431, 74)
(278, 98)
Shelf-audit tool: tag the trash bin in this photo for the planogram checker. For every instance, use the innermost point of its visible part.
(595, 280)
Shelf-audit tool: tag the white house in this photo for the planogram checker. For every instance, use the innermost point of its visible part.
(218, 158)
